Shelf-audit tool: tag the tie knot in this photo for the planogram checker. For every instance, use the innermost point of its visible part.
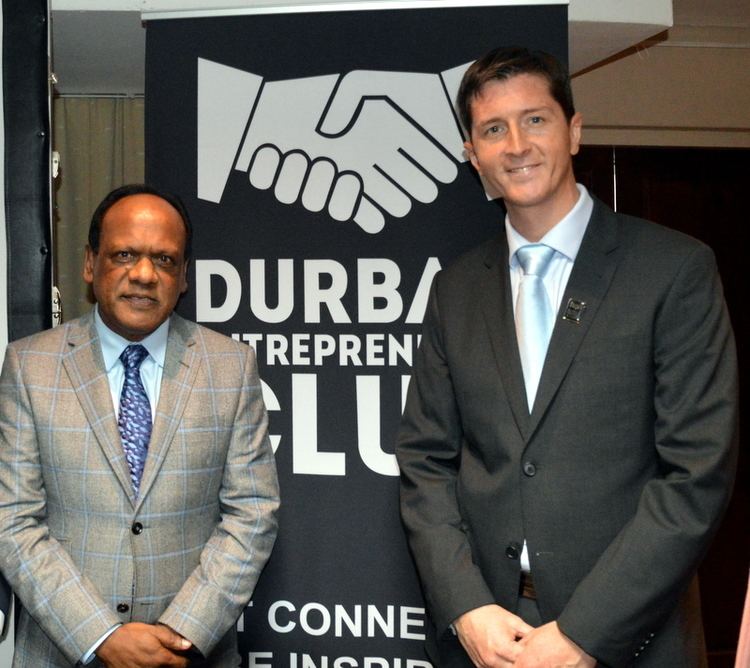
(133, 355)
(534, 258)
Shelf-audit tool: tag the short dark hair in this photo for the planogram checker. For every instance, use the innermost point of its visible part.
(95, 228)
(504, 63)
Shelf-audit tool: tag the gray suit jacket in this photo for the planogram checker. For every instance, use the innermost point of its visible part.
(618, 477)
(79, 550)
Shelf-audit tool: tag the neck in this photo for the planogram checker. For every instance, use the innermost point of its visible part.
(533, 222)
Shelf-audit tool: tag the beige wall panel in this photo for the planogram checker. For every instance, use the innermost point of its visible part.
(669, 96)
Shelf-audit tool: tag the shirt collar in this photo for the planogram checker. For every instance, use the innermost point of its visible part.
(565, 237)
(113, 344)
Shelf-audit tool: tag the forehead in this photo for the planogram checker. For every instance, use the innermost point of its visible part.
(145, 216)
(518, 93)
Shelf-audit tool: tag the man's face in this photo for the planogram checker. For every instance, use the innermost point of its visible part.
(139, 270)
(521, 144)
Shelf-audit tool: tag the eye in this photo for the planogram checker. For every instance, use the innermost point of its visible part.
(164, 260)
(536, 120)
(123, 256)
(493, 130)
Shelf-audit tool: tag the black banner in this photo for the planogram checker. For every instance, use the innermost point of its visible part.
(27, 170)
(322, 163)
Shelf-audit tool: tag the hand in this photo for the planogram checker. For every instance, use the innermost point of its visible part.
(548, 647)
(490, 635)
(137, 645)
(420, 97)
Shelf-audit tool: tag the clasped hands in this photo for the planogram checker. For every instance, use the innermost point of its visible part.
(137, 645)
(359, 145)
(493, 636)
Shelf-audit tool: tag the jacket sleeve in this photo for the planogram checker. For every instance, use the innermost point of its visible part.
(429, 452)
(218, 589)
(619, 607)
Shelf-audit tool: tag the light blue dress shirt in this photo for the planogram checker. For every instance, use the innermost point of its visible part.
(152, 367)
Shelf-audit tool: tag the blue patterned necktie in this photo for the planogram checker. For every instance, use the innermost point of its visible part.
(534, 317)
(134, 421)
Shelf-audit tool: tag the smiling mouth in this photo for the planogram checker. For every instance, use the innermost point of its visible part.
(526, 169)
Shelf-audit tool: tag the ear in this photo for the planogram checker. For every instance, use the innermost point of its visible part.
(469, 147)
(183, 277)
(576, 123)
(88, 265)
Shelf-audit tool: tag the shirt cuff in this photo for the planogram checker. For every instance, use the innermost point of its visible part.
(89, 656)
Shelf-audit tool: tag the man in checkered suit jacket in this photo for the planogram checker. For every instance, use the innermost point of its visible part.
(105, 575)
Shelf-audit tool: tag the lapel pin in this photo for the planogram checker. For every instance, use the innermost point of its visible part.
(574, 311)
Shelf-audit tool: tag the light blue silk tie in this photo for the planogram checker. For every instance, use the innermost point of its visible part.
(134, 420)
(534, 316)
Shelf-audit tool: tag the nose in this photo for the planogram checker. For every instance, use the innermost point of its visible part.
(517, 142)
(143, 271)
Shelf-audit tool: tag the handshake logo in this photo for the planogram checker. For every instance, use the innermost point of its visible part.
(360, 145)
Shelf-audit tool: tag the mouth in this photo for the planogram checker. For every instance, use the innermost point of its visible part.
(522, 171)
(140, 301)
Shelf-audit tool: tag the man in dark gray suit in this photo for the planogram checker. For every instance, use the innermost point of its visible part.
(568, 443)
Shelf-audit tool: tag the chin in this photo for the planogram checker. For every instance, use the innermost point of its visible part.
(523, 202)
(140, 330)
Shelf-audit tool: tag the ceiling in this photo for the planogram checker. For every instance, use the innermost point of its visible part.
(103, 52)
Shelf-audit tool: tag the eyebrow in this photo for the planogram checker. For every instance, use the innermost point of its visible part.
(523, 112)
(130, 248)
(537, 109)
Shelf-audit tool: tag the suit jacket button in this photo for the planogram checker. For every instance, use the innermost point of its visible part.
(123, 607)
(512, 551)
(529, 469)
(137, 528)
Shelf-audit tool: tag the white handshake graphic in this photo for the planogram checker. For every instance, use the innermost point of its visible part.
(360, 145)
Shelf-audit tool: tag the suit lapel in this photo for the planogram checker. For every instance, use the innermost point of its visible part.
(589, 281)
(85, 368)
(497, 306)
(181, 365)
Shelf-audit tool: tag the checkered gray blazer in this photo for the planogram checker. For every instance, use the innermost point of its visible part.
(79, 550)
